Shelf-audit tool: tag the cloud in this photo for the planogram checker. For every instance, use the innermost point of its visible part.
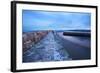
(43, 20)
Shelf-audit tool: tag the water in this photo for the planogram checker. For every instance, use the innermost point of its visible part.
(48, 49)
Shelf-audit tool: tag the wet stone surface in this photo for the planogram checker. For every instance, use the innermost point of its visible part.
(48, 49)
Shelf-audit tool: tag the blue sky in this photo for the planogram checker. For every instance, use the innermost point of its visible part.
(47, 20)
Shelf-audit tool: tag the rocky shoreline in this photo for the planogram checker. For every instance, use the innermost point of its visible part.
(31, 38)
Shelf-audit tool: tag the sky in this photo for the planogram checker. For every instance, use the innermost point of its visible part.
(49, 20)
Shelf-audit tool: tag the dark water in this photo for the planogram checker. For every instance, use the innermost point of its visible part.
(79, 48)
(48, 49)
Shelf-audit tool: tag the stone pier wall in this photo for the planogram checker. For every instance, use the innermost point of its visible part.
(31, 38)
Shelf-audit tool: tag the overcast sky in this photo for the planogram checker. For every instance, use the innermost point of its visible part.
(47, 20)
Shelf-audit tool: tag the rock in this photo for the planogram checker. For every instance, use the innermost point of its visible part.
(31, 38)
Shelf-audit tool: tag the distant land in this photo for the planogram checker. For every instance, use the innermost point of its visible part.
(58, 30)
(83, 33)
(81, 30)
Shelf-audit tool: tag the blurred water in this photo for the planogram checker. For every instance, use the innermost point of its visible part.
(48, 49)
